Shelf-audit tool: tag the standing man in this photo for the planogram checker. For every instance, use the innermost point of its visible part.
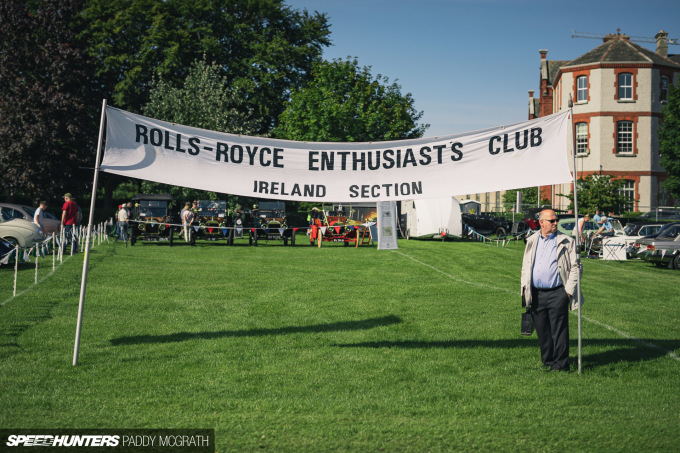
(550, 273)
(597, 218)
(123, 223)
(69, 219)
(39, 216)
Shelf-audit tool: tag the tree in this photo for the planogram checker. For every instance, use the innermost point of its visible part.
(669, 142)
(204, 100)
(529, 195)
(48, 120)
(263, 47)
(343, 102)
(601, 192)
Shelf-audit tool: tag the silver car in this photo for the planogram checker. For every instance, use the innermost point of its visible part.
(19, 232)
(663, 250)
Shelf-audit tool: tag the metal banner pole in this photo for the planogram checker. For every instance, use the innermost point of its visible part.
(83, 283)
(577, 296)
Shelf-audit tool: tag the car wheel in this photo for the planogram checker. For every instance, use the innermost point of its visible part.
(12, 241)
(501, 232)
(676, 261)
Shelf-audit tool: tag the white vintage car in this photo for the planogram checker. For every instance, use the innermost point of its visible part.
(19, 232)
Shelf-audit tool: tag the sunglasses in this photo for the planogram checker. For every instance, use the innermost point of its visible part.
(550, 220)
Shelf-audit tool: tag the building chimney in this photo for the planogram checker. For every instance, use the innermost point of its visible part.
(662, 44)
(532, 112)
(544, 64)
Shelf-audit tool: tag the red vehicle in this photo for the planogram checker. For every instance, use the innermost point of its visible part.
(334, 226)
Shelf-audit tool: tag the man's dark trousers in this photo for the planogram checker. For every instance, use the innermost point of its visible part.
(550, 311)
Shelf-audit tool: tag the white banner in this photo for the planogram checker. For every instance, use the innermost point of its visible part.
(529, 154)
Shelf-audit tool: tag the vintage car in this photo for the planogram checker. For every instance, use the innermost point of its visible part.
(663, 250)
(19, 231)
(593, 241)
(6, 248)
(487, 224)
(151, 221)
(640, 245)
(268, 222)
(212, 219)
(20, 211)
(336, 225)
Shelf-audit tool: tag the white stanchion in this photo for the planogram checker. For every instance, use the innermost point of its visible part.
(36, 264)
(54, 251)
(16, 268)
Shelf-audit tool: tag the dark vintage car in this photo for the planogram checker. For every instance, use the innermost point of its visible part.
(487, 224)
(269, 223)
(212, 219)
(151, 221)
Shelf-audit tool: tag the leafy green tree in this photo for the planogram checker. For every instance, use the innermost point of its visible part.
(529, 195)
(601, 192)
(669, 142)
(48, 120)
(263, 47)
(204, 100)
(344, 102)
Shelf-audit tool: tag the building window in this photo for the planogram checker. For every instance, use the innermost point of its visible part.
(624, 137)
(581, 139)
(628, 193)
(625, 86)
(582, 89)
(664, 88)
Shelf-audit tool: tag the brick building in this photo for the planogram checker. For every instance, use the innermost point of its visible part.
(619, 89)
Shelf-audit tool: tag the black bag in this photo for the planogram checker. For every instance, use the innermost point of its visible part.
(527, 323)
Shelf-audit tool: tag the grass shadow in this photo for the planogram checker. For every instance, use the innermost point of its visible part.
(618, 350)
(11, 331)
(339, 326)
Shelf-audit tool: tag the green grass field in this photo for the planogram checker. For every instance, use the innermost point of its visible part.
(339, 349)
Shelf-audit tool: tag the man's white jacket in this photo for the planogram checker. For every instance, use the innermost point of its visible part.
(567, 266)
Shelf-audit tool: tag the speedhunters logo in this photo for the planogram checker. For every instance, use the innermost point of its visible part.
(103, 440)
(44, 440)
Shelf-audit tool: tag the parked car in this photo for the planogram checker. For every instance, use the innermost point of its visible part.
(640, 245)
(663, 250)
(150, 219)
(18, 211)
(5, 248)
(662, 214)
(594, 241)
(566, 226)
(18, 231)
(487, 224)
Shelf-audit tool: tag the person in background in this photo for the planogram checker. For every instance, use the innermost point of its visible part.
(606, 229)
(69, 219)
(39, 216)
(550, 273)
(187, 218)
(123, 222)
(581, 225)
(597, 218)
(181, 217)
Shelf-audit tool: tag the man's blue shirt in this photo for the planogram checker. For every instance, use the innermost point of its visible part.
(545, 274)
